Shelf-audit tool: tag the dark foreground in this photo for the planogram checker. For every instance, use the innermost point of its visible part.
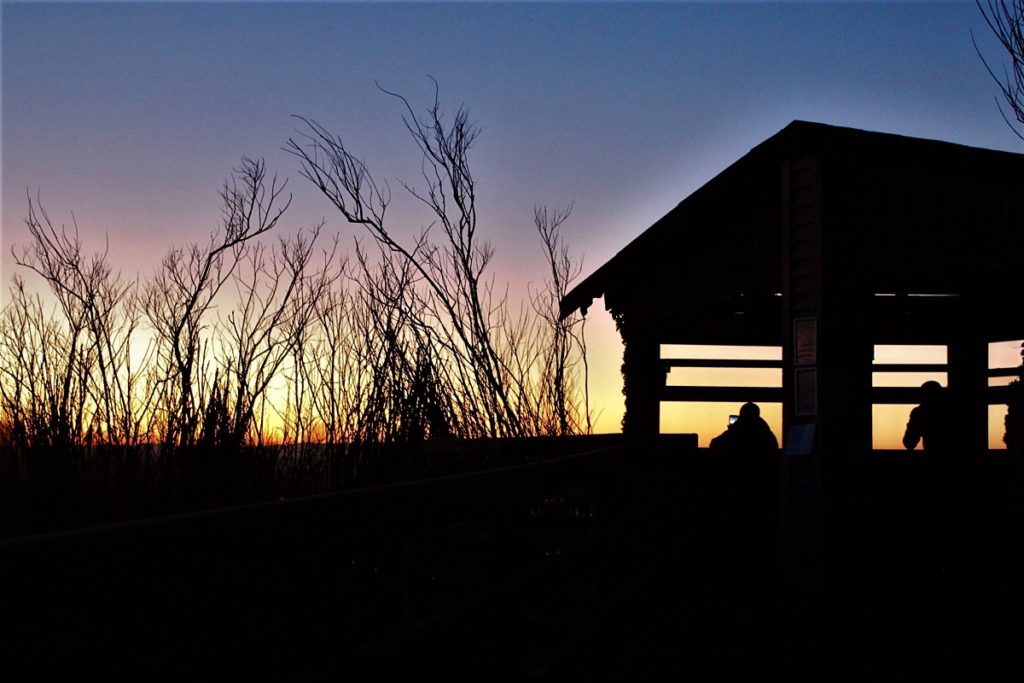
(640, 561)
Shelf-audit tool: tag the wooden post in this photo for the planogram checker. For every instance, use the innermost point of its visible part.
(802, 379)
(968, 384)
(643, 380)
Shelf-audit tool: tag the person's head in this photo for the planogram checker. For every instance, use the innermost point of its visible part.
(930, 390)
(749, 411)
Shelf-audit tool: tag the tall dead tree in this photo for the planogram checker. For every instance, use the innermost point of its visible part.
(564, 344)
(461, 309)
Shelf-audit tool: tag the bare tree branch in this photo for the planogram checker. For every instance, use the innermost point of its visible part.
(1005, 18)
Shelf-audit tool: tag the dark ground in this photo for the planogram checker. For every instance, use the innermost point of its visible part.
(922, 577)
(623, 565)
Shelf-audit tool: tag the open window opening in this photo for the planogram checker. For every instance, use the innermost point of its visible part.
(1004, 364)
(705, 385)
(709, 419)
(898, 371)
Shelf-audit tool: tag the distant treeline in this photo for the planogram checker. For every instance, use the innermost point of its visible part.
(244, 341)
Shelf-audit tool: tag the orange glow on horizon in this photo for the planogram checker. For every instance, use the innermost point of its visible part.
(710, 419)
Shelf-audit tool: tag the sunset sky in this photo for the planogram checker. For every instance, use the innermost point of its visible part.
(131, 115)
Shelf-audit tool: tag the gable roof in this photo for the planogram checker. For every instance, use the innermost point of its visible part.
(725, 238)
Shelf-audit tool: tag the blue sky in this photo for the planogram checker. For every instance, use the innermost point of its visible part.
(130, 115)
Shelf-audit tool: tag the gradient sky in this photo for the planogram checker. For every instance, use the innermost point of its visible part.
(130, 115)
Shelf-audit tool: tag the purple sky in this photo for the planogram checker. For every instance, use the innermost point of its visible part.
(130, 115)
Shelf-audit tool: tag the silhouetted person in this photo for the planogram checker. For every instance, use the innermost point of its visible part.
(933, 422)
(748, 434)
(749, 482)
(943, 498)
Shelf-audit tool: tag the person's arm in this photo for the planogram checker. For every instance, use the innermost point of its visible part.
(723, 441)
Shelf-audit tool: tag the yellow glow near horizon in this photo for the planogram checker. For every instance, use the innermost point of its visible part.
(907, 379)
(724, 377)
(708, 420)
(604, 358)
(906, 354)
(888, 422)
(1004, 354)
(694, 351)
(996, 426)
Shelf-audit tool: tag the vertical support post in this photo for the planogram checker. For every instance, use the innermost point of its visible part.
(802, 379)
(643, 383)
(968, 385)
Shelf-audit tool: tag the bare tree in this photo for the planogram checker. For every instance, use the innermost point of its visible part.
(1006, 20)
(261, 332)
(301, 329)
(183, 290)
(410, 340)
(406, 398)
(329, 366)
(102, 316)
(460, 307)
(565, 345)
(37, 378)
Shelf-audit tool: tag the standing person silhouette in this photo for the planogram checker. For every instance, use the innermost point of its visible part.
(944, 495)
(749, 434)
(932, 422)
(749, 477)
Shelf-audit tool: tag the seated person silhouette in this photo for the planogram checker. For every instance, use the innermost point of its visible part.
(748, 434)
(932, 422)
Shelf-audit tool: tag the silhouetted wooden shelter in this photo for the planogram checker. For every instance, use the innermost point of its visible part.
(826, 241)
